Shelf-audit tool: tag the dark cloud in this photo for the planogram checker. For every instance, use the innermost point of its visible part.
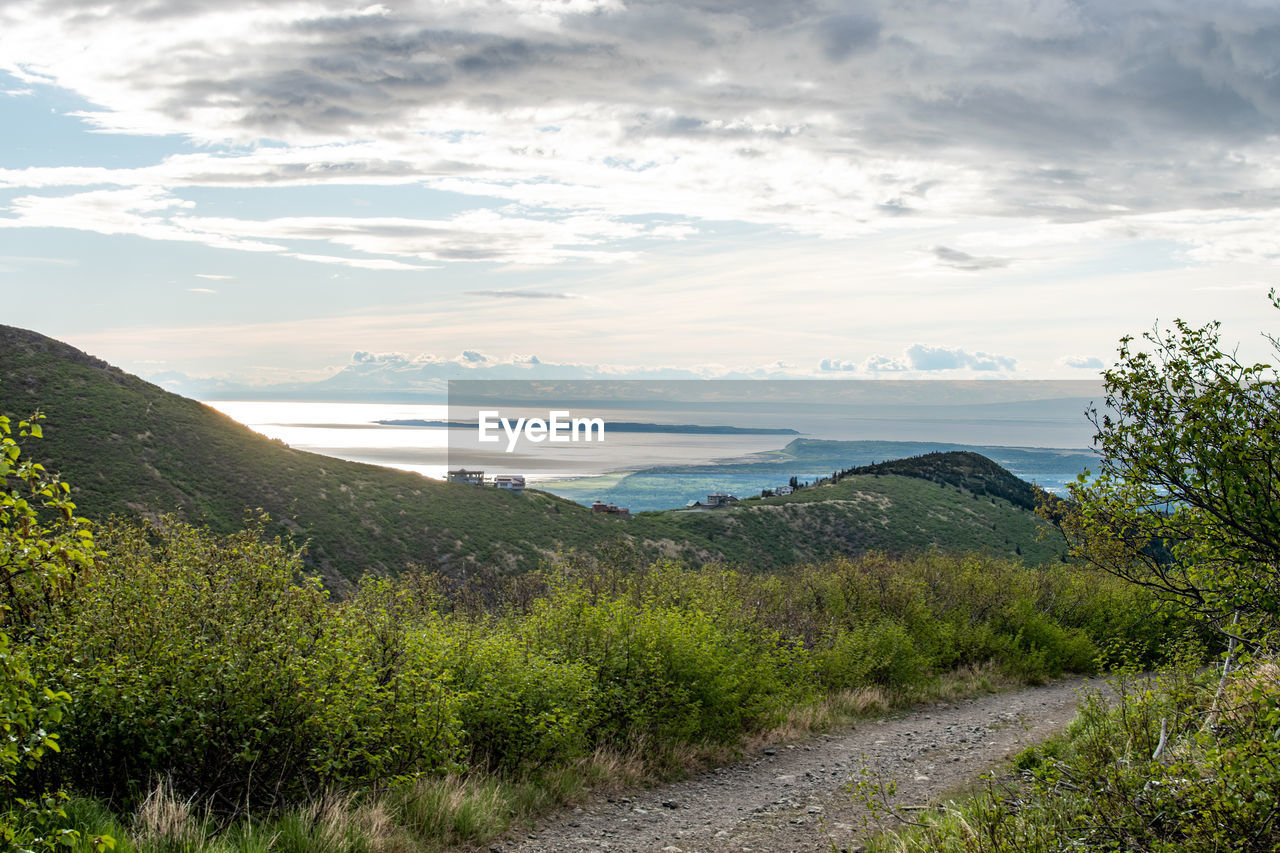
(1070, 111)
(841, 36)
(958, 260)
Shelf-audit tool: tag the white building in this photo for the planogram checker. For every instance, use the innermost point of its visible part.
(510, 482)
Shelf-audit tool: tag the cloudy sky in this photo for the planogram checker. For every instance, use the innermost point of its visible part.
(259, 190)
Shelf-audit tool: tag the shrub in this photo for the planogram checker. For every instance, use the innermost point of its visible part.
(42, 547)
(881, 652)
(209, 660)
(665, 672)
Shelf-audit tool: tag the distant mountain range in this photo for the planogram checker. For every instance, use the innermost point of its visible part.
(130, 448)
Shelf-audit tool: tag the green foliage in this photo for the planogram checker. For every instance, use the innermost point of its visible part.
(42, 546)
(880, 652)
(212, 661)
(1107, 784)
(665, 671)
(1187, 498)
(1186, 505)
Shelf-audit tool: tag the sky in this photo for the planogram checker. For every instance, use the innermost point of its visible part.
(274, 192)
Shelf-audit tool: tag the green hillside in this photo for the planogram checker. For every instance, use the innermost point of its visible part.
(132, 448)
(895, 513)
(965, 470)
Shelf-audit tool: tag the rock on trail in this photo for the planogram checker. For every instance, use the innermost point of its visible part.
(797, 797)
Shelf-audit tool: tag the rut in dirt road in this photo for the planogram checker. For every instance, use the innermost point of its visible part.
(796, 797)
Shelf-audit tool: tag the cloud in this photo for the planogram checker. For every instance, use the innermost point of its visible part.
(929, 358)
(200, 290)
(472, 236)
(213, 277)
(1082, 362)
(921, 358)
(884, 364)
(843, 35)
(358, 263)
(963, 261)
(523, 294)
(398, 371)
(895, 114)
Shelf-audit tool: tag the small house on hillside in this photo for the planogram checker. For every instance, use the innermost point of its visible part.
(510, 482)
(720, 499)
(467, 478)
(783, 490)
(611, 509)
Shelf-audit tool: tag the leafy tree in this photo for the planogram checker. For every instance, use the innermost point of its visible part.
(1186, 501)
(42, 545)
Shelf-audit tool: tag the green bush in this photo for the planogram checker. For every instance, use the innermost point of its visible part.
(1107, 784)
(517, 707)
(665, 672)
(43, 545)
(209, 660)
(881, 652)
(212, 662)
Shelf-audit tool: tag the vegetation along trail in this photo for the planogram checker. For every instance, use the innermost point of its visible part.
(798, 797)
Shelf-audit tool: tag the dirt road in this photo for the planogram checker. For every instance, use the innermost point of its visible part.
(796, 797)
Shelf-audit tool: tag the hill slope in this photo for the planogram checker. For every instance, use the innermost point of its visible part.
(895, 513)
(132, 448)
(963, 469)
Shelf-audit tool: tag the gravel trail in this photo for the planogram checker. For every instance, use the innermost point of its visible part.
(795, 797)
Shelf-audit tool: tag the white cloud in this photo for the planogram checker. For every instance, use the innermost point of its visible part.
(955, 259)
(1083, 362)
(214, 277)
(359, 263)
(478, 235)
(524, 294)
(923, 359)
(619, 110)
(927, 357)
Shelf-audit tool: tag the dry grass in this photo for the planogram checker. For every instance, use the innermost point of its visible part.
(846, 707)
(164, 820)
(1246, 687)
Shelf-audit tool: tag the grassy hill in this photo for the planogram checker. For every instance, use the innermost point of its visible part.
(896, 513)
(132, 448)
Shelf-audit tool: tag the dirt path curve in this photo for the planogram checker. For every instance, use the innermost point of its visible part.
(795, 797)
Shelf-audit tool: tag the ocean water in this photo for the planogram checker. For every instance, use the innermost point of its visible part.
(352, 431)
